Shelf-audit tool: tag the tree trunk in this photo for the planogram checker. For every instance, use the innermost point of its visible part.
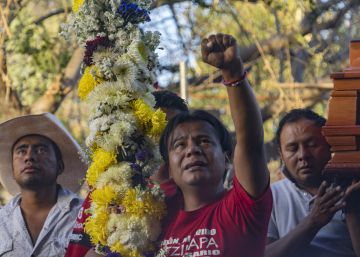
(61, 87)
(9, 101)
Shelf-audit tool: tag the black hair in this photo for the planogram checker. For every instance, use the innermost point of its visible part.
(168, 99)
(296, 115)
(198, 115)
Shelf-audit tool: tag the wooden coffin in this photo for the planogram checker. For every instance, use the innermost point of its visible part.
(342, 129)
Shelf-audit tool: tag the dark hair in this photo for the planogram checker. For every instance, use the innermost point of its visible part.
(198, 115)
(296, 115)
(168, 99)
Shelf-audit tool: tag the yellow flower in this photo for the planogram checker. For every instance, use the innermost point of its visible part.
(142, 113)
(103, 197)
(87, 82)
(101, 161)
(158, 122)
(119, 248)
(95, 227)
(76, 5)
(151, 122)
(140, 203)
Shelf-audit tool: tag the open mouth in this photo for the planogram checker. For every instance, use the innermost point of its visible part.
(195, 165)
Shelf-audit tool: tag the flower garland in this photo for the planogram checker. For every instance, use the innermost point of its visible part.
(117, 81)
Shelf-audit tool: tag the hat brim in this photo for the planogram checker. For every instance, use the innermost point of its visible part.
(45, 125)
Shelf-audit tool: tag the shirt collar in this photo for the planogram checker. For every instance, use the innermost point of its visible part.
(65, 198)
(305, 195)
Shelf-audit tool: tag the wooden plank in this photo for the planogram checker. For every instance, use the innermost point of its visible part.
(348, 74)
(341, 130)
(342, 111)
(340, 148)
(347, 84)
(342, 141)
(354, 54)
(345, 157)
(344, 93)
(350, 170)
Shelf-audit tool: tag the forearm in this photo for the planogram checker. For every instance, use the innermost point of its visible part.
(298, 238)
(244, 109)
(353, 224)
(246, 116)
(249, 152)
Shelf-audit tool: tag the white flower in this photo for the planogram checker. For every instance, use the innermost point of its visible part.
(152, 40)
(157, 192)
(125, 71)
(107, 97)
(111, 131)
(163, 252)
(132, 231)
(118, 176)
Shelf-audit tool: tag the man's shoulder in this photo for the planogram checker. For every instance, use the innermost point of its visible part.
(283, 184)
(67, 198)
(7, 210)
(4, 211)
(283, 189)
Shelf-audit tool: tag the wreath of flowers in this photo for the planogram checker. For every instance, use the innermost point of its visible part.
(118, 74)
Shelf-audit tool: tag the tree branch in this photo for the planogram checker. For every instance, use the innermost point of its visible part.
(50, 14)
(159, 3)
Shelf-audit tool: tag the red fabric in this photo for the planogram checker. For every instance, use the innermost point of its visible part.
(80, 242)
(234, 226)
(169, 187)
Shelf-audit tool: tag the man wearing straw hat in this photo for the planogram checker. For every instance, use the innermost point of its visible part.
(39, 165)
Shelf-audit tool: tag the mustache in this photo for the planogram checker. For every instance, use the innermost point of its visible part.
(30, 166)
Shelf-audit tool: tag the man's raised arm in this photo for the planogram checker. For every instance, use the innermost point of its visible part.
(220, 51)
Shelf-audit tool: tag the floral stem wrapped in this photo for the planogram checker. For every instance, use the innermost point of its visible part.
(118, 78)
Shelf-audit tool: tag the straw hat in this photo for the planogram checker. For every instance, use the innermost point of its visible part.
(45, 125)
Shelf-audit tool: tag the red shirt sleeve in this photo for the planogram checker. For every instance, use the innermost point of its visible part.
(80, 242)
(247, 210)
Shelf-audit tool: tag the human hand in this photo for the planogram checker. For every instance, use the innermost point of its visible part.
(220, 51)
(352, 196)
(328, 201)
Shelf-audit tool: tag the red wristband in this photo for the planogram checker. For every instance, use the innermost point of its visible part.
(235, 83)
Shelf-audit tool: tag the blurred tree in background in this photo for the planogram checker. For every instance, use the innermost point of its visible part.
(289, 47)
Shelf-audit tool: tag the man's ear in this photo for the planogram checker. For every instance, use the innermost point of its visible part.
(281, 156)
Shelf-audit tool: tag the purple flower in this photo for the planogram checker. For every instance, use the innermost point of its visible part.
(141, 155)
(136, 167)
(113, 255)
(110, 253)
(132, 13)
(92, 45)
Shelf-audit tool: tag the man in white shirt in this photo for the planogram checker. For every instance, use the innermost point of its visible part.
(39, 162)
(310, 217)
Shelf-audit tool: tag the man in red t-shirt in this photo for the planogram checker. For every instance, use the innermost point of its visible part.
(80, 243)
(203, 218)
